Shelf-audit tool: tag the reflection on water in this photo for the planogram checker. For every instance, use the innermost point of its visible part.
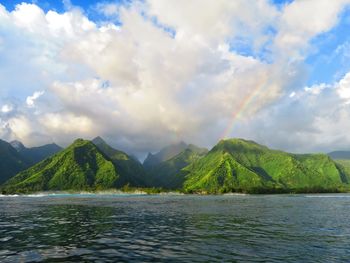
(73, 228)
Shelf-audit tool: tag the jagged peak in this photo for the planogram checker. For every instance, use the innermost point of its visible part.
(98, 140)
(19, 146)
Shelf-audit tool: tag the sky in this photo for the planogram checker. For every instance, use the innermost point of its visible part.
(145, 74)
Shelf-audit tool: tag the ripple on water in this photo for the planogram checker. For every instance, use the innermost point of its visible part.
(5, 239)
(175, 228)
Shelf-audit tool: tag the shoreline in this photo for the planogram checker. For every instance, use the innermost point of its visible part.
(145, 193)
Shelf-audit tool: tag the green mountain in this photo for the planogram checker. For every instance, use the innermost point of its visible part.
(234, 165)
(130, 170)
(164, 154)
(36, 154)
(344, 165)
(81, 166)
(237, 165)
(11, 162)
(342, 158)
(167, 174)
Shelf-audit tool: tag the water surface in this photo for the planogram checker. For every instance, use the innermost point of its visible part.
(170, 228)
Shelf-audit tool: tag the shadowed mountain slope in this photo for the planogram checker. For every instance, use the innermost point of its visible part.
(11, 162)
(36, 154)
(167, 174)
(164, 154)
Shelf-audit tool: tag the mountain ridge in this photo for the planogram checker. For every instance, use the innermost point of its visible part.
(81, 166)
(36, 154)
(238, 165)
(232, 165)
(164, 154)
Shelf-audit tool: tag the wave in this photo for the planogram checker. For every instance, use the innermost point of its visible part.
(80, 194)
(29, 195)
(1, 195)
(90, 194)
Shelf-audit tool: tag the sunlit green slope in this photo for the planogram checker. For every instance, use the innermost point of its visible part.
(342, 158)
(238, 165)
(130, 170)
(81, 166)
(233, 165)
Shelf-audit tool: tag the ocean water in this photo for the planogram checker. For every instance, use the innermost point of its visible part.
(175, 228)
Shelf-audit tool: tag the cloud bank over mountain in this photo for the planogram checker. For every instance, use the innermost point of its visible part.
(148, 73)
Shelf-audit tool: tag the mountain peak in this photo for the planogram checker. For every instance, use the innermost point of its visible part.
(164, 154)
(18, 145)
(238, 144)
(149, 155)
(242, 165)
(80, 166)
(98, 141)
(54, 145)
(80, 142)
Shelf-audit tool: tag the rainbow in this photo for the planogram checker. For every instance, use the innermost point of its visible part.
(235, 116)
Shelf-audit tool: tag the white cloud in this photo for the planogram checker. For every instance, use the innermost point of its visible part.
(343, 88)
(316, 119)
(170, 71)
(28, 16)
(31, 99)
(6, 108)
(66, 123)
(300, 21)
(21, 127)
(214, 21)
(316, 89)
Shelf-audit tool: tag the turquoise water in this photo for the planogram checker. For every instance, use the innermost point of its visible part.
(170, 228)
